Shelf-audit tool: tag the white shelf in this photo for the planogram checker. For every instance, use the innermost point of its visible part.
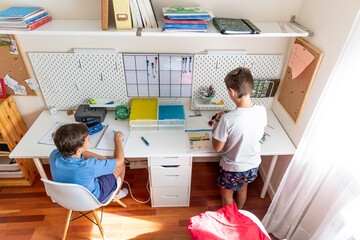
(101, 102)
(199, 105)
(93, 27)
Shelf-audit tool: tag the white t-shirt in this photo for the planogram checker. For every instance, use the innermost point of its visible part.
(241, 131)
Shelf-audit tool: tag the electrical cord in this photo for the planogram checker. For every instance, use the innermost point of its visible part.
(147, 187)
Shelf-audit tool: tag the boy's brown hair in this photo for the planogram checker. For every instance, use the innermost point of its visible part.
(241, 80)
(68, 138)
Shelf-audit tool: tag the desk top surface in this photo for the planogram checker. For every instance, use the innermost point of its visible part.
(162, 143)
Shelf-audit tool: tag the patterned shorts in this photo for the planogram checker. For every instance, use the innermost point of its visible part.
(235, 180)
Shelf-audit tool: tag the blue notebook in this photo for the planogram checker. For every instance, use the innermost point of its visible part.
(181, 25)
(191, 17)
(18, 12)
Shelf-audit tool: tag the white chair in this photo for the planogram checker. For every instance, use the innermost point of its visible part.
(77, 198)
(255, 220)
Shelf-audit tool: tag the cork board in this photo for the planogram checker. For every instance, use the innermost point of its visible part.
(294, 91)
(14, 66)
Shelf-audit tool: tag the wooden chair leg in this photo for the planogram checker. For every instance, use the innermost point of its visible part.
(67, 224)
(119, 202)
(99, 224)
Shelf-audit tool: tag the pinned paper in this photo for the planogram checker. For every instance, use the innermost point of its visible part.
(32, 83)
(20, 89)
(13, 48)
(11, 83)
(300, 58)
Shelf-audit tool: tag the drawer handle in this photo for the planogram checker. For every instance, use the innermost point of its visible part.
(170, 166)
(171, 175)
(171, 196)
(171, 157)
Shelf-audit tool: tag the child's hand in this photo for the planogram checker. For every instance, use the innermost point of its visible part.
(118, 137)
(219, 115)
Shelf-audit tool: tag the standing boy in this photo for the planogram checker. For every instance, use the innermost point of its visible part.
(236, 136)
(72, 163)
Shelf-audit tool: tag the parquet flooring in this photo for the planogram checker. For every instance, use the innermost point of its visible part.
(27, 213)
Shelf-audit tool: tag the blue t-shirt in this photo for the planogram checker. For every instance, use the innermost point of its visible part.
(80, 171)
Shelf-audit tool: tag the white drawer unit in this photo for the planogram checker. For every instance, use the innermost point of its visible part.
(170, 176)
(181, 161)
(170, 196)
(170, 179)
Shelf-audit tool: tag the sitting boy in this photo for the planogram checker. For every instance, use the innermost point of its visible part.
(72, 163)
(236, 136)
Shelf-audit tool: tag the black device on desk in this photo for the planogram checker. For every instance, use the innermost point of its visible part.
(94, 126)
(84, 113)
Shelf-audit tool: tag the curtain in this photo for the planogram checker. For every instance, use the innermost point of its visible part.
(319, 195)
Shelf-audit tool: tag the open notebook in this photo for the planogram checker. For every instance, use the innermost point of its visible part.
(107, 140)
(103, 139)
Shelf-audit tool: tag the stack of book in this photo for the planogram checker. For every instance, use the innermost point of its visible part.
(23, 18)
(186, 19)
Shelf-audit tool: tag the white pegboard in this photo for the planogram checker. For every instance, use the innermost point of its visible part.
(68, 79)
(210, 69)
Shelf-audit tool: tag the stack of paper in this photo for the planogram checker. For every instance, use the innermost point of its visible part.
(23, 18)
(186, 19)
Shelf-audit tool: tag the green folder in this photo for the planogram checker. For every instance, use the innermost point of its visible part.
(235, 26)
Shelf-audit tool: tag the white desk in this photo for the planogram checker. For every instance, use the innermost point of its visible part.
(162, 144)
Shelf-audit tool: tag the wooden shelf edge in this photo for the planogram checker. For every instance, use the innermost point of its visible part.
(93, 27)
(7, 182)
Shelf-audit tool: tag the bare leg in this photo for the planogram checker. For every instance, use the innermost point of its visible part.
(241, 196)
(120, 172)
(227, 196)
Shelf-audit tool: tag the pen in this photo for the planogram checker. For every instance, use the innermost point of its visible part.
(190, 64)
(147, 66)
(185, 64)
(146, 142)
(79, 63)
(153, 69)
(156, 63)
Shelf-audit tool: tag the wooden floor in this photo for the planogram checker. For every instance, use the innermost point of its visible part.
(27, 212)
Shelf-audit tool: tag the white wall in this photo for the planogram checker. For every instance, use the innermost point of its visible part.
(331, 22)
(30, 107)
(273, 10)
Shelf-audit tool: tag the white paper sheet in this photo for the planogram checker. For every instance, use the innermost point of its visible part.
(48, 139)
(107, 140)
(11, 83)
(20, 89)
(32, 83)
